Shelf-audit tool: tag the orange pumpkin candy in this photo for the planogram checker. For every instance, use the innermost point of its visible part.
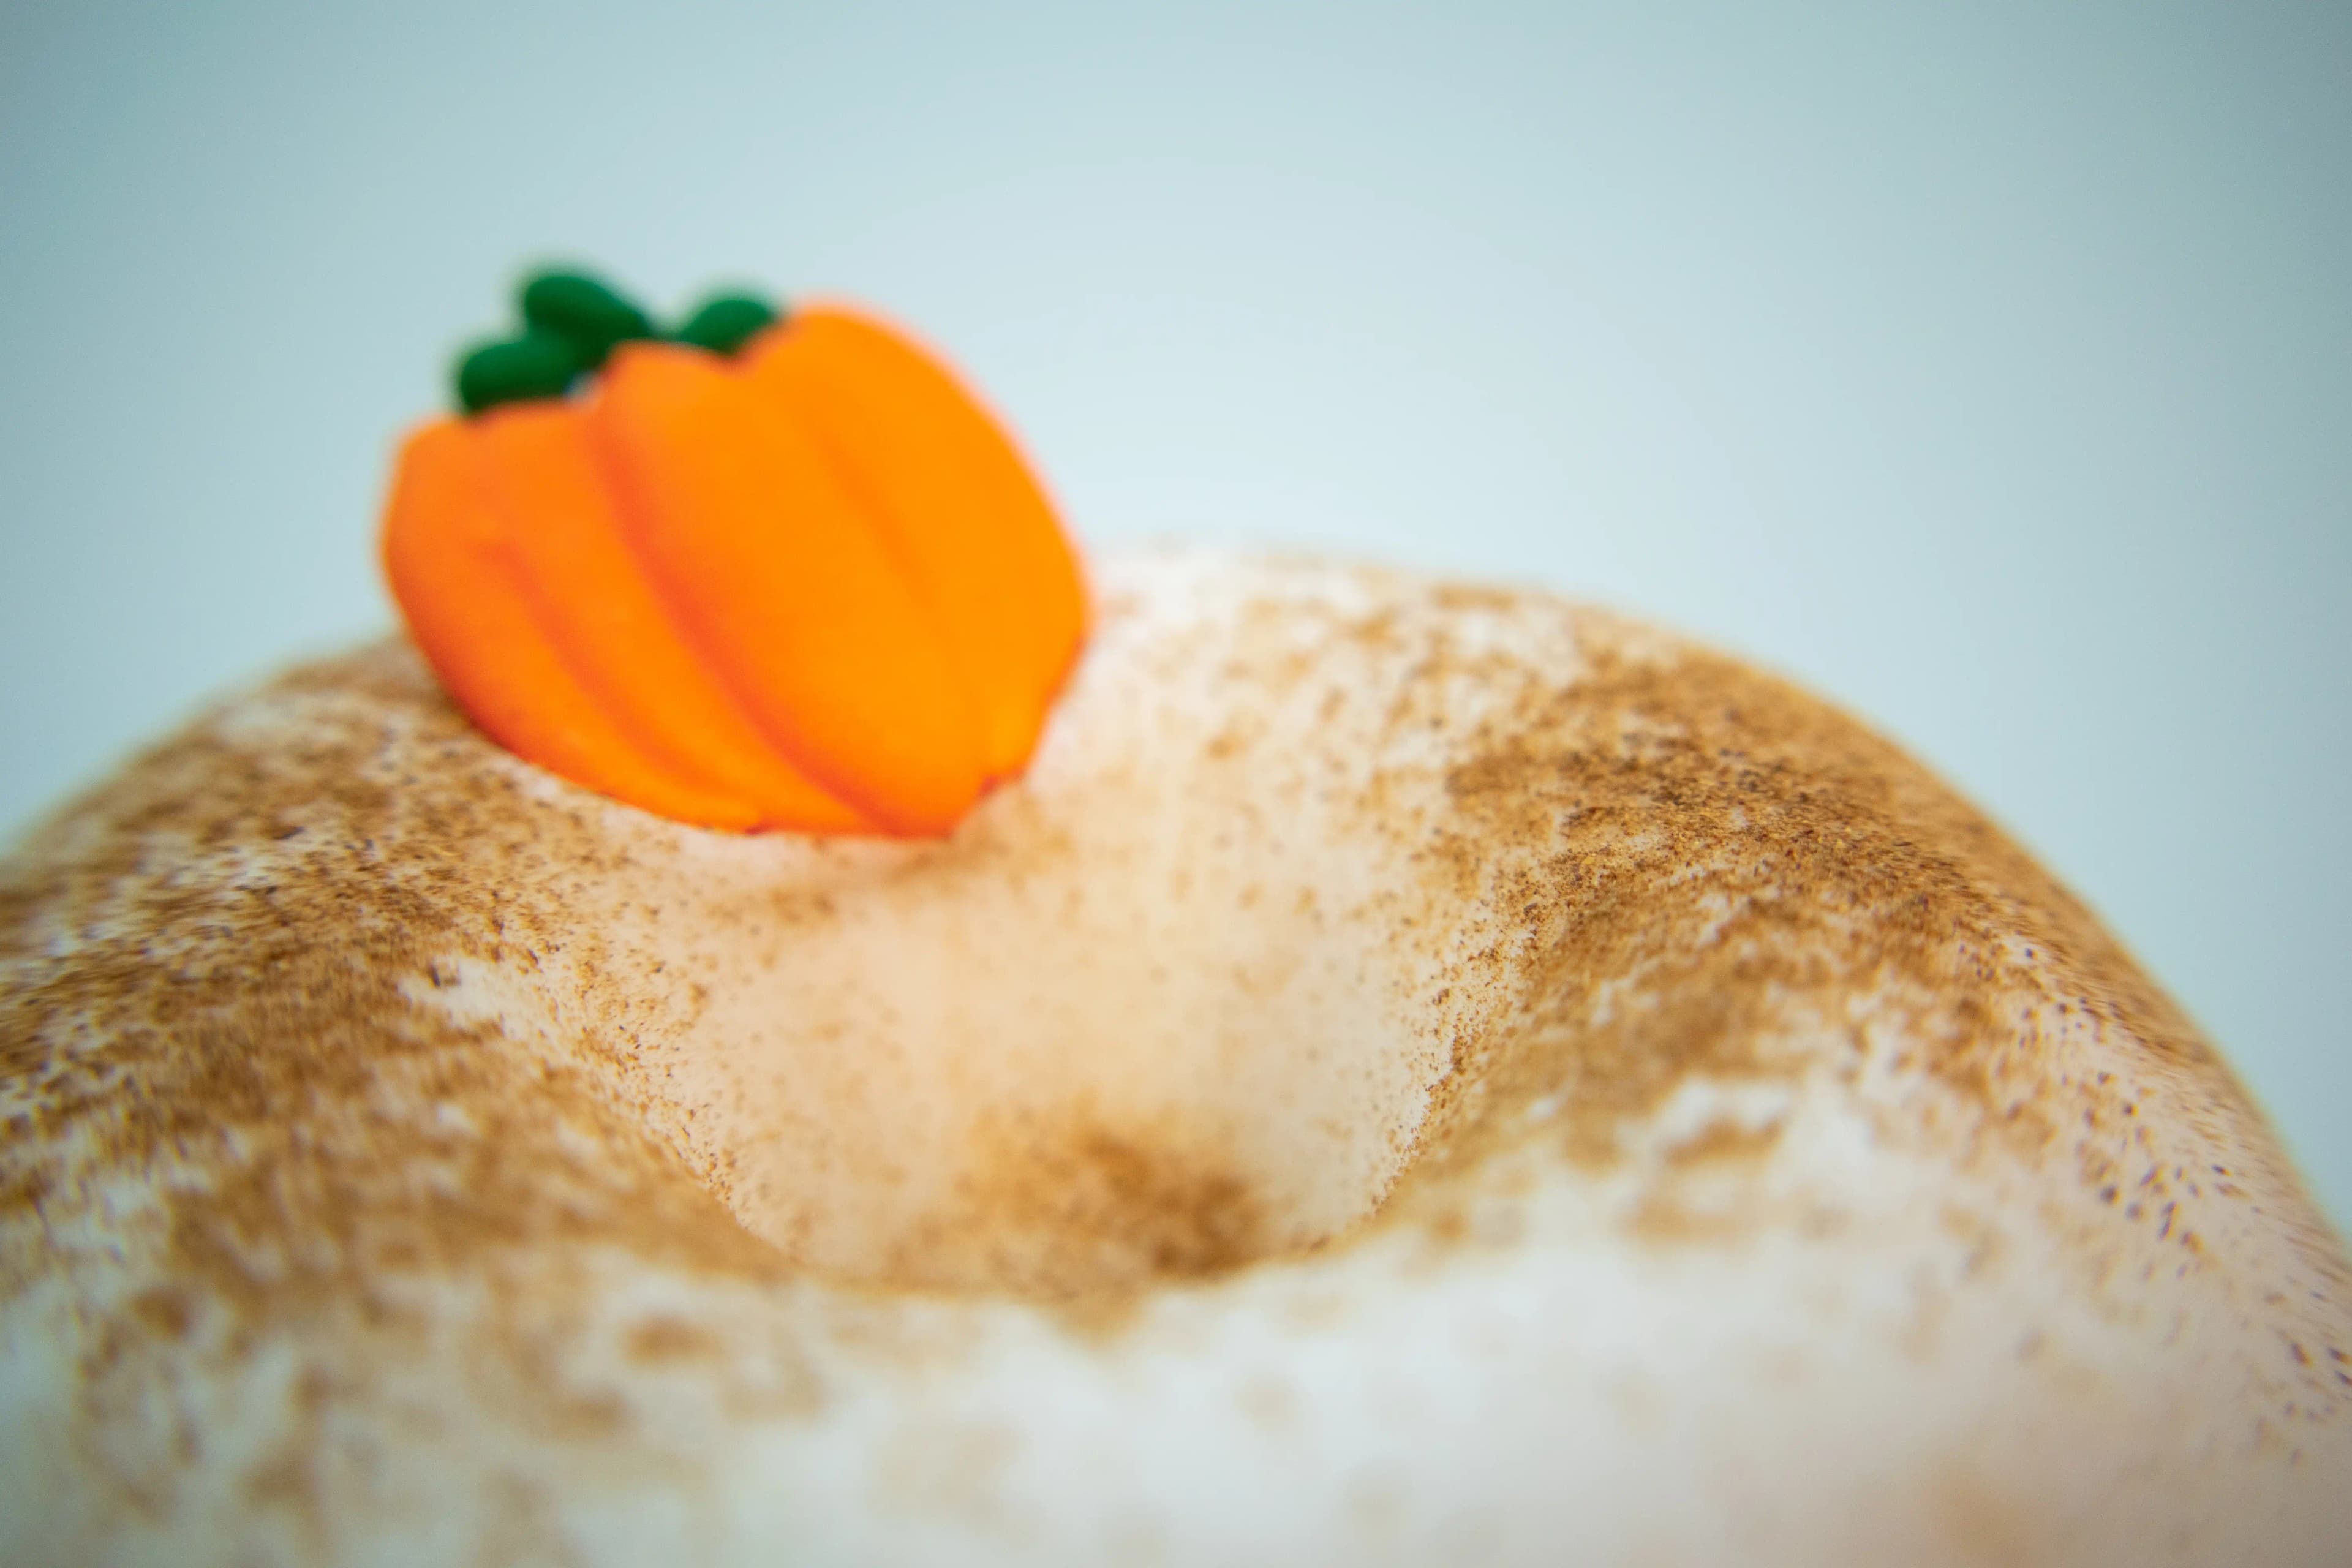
(811, 585)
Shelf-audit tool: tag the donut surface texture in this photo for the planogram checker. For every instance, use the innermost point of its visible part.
(1413, 1075)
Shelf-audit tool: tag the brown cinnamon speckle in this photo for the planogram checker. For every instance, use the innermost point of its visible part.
(239, 1113)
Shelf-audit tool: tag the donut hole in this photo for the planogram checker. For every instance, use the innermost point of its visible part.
(1026, 1066)
(1178, 1001)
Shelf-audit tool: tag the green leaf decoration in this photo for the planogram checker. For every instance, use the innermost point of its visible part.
(725, 323)
(590, 313)
(572, 323)
(513, 369)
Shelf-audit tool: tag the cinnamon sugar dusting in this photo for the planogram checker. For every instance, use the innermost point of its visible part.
(1069, 1202)
(1331, 901)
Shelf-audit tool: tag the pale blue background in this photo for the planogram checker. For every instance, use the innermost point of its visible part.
(1988, 366)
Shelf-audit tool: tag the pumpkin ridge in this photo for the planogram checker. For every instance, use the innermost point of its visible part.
(504, 549)
(793, 801)
(712, 661)
(519, 692)
(1017, 603)
(790, 595)
(963, 663)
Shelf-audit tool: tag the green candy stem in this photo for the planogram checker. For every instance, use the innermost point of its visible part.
(725, 323)
(572, 322)
(575, 306)
(515, 370)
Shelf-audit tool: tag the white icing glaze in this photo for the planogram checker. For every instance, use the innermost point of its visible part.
(1414, 1075)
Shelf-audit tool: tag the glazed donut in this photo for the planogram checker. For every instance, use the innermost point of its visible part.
(1412, 1074)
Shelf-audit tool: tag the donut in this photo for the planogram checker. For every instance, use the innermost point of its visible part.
(1406, 1072)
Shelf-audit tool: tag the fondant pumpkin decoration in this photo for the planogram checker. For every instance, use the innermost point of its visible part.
(762, 571)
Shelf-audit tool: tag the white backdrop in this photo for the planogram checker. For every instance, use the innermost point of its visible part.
(1991, 373)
